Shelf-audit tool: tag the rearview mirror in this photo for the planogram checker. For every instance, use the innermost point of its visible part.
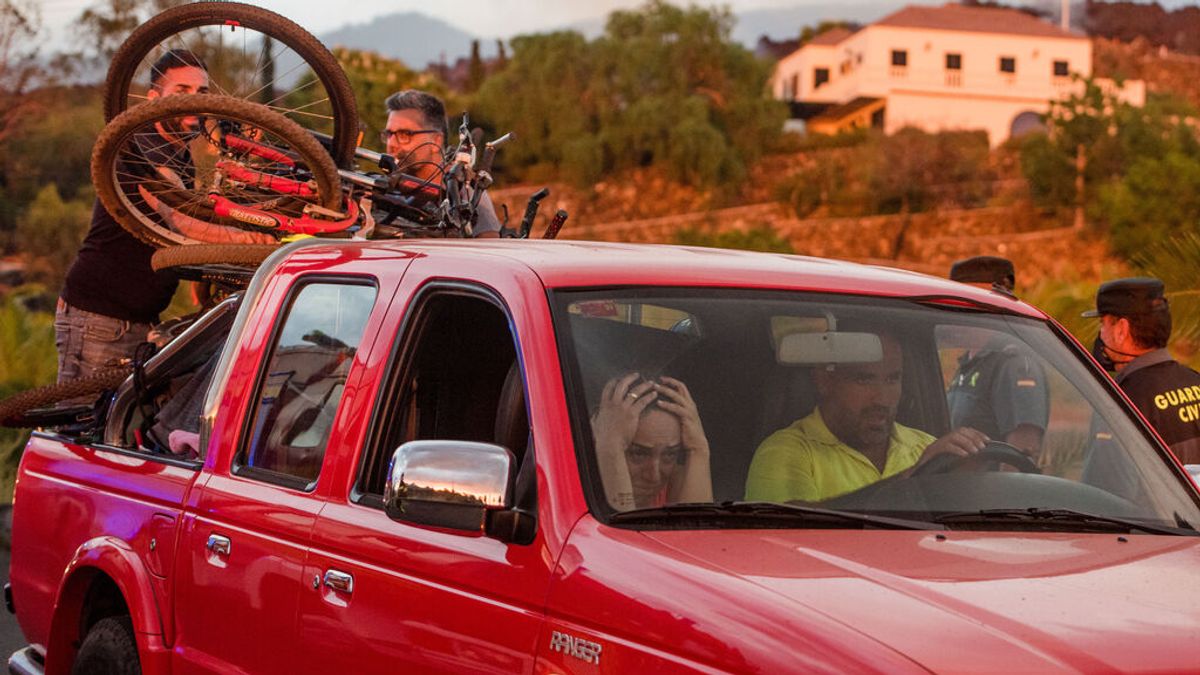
(829, 347)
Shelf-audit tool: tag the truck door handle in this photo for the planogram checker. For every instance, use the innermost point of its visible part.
(339, 581)
(218, 544)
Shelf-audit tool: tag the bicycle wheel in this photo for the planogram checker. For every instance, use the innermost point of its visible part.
(249, 255)
(208, 168)
(17, 410)
(251, 53)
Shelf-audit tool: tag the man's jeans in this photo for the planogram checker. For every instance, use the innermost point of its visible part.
(88, 342)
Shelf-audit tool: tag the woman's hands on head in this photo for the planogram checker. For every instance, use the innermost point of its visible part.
(674, 397)
(615, 422)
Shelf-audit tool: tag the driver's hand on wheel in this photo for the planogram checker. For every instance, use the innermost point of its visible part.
(963, 441)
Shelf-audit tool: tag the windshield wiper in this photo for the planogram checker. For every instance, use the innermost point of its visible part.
(1035, 516)
(759, 511)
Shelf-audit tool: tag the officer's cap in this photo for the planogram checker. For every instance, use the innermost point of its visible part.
(984, 269)
(1125, 297)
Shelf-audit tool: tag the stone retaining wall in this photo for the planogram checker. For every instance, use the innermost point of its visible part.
(926, 242)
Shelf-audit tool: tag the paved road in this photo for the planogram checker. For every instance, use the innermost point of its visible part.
(11, 638)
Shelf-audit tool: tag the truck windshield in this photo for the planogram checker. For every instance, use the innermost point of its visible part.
(912, 410)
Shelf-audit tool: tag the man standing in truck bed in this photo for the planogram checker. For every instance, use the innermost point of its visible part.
(112, 296)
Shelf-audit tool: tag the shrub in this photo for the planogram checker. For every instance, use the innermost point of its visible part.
(760, 238)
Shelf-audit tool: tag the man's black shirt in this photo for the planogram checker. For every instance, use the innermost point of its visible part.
(111, 274)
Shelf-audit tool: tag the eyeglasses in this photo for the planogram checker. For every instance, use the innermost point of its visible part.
(404, 136)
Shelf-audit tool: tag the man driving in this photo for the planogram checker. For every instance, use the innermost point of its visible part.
(851, 439)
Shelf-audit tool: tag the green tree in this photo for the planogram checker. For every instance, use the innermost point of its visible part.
(1090, 120)
(476, 71)
(372, 78)
(27, 359)
(105, 24)
(1141, 165)
(1174, 260)
(540, 96)
(52, 147)
(49, 234)
(663, 86)
(1157, 196)
(827, 182)
(760, 238)
(907, 172)
(912, 171)
(20, 27)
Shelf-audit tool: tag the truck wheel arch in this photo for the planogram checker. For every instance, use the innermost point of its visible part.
(99, 561)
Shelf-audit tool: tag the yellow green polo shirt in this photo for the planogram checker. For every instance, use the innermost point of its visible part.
(806, 462)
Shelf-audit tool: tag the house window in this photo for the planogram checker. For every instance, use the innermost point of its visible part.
(820, 77)
(1061, 69)
(795, 92)
(1008, 64)
(953, 61)
(900, 57)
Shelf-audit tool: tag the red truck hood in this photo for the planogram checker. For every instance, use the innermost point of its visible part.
(968, 601)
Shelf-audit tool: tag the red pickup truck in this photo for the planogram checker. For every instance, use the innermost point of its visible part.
(406, 464)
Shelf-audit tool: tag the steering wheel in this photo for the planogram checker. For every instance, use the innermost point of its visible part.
(993, 451)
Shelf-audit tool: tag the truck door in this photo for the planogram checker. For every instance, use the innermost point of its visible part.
(247, 529)
(394, 597)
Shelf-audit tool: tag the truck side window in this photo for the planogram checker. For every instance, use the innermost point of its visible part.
(299, 391)
(457, 379)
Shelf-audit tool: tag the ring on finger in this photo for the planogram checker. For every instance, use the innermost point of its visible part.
(632, 396)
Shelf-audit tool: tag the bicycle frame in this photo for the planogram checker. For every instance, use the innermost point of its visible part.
(397, 193)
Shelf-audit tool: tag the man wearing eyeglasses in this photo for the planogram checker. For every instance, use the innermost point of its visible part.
(416, 135)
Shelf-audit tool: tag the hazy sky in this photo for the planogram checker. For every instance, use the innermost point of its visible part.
(486, 18)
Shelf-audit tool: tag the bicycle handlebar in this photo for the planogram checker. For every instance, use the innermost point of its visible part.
(531, 209)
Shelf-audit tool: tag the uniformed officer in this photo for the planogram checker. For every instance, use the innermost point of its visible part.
(999, 387)
(1135, 324)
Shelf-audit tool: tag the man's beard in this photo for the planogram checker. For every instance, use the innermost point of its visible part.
(875, 423)
(180, 129)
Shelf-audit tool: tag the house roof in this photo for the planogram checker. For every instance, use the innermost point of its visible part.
(975, 20)
(830, 37)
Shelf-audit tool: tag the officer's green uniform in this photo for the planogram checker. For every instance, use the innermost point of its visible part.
(997, 389)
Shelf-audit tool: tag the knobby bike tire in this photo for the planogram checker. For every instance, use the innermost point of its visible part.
(106, 156)
(14, 408)
(210, 254)
(173, 21)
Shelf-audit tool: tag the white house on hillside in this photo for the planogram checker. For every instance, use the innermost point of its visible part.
(938, 68)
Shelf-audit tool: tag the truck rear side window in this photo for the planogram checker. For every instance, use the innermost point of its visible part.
(299, 391)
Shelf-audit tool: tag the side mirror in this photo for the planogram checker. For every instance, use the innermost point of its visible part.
(1193, 471)
(450, 484)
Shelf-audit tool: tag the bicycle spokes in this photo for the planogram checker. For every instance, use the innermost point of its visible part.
(178, 167)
